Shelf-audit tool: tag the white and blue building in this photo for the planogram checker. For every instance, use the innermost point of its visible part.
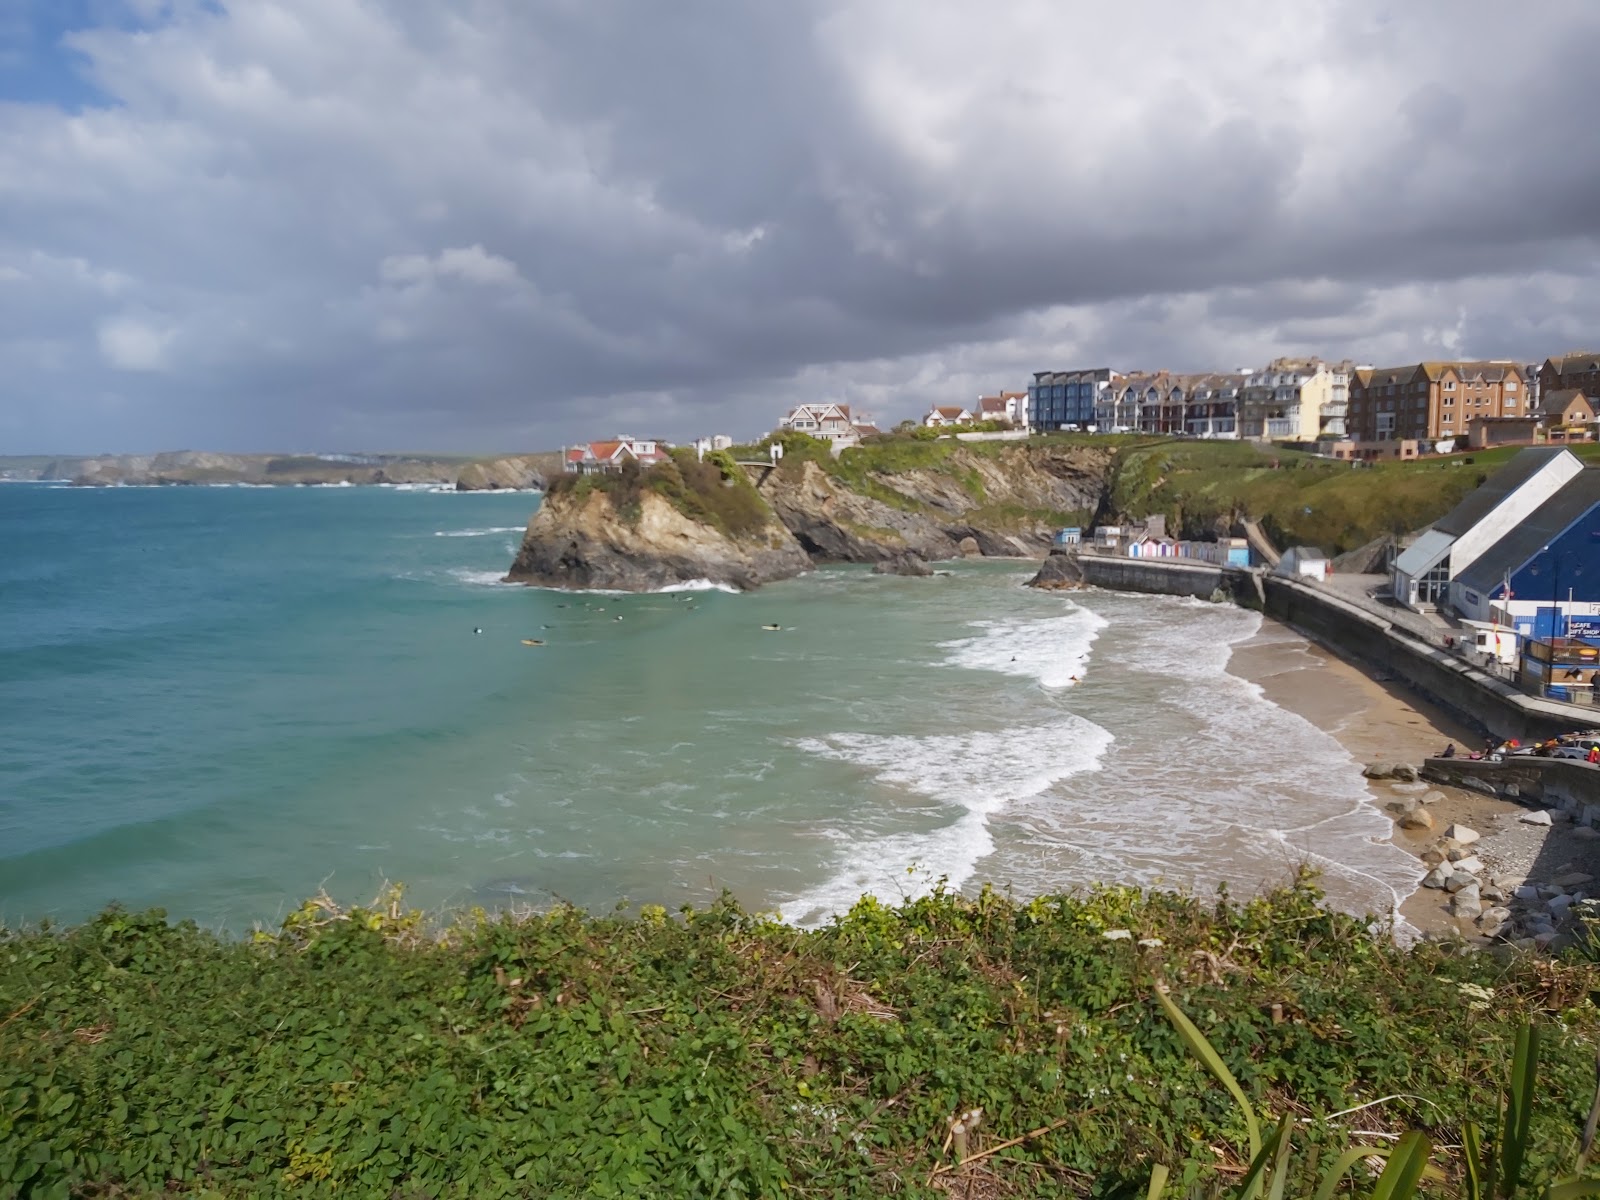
(1424, 574)
(1543, 576)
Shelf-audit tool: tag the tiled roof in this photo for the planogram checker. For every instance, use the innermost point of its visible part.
(1575, 360)
(1556, 402)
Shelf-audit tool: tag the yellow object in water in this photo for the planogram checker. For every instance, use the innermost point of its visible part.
(532, 642)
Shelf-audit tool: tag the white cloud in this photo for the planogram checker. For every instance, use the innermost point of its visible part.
(550, 214)
(471, 264)
(134, 344)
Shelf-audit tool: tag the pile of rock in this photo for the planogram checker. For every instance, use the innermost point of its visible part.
(1456, 869)
(1503, 905)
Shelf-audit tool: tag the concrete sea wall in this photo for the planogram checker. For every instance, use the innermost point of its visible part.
(1474, 697)
(1171, 577)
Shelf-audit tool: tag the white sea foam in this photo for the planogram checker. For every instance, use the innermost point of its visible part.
(974, 774)
(477, 532)
(1053, 650)
(1231, 787)
(690, 585)
(480, 578)
(696, 585)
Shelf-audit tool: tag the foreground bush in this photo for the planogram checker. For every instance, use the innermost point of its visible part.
(722, 1054)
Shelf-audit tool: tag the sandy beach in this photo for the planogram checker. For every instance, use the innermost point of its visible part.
(1382, 722)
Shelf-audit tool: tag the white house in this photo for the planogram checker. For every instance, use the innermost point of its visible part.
(830, 422)
(1423, 573)
(597, 457)
(1303, 562)
(941, 415)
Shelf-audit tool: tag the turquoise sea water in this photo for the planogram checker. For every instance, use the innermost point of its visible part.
(219, 699)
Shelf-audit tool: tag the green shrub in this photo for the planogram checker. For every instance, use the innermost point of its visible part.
(370, 1053)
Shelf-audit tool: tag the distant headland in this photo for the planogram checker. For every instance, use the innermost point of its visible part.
(517, 472)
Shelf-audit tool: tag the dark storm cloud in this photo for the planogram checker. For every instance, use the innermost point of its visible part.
(492, 224)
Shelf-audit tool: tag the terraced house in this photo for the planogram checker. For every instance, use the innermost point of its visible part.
(1432, 400)
(1295, 400)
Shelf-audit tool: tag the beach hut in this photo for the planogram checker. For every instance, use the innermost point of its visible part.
(1304, 562)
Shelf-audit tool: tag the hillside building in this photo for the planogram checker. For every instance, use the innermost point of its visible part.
(1432, 401)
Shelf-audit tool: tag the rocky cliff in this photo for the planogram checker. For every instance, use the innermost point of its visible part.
(579, 539)
(900, 503)
(518, 473)
(1009, 502)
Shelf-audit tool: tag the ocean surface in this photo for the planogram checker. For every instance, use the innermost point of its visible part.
(218, 700)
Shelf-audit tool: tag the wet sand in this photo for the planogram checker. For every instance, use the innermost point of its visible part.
(1376, 722)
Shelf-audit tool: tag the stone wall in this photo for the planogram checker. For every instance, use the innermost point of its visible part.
(1568, 784)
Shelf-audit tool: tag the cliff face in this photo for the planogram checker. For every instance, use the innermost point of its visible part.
(1010, 504)
(898, 505)
(517, 472)
(580, 540)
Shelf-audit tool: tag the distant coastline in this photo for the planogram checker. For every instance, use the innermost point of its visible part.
(524, 472)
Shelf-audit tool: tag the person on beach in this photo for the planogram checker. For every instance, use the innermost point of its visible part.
(1449, 751)
(1594, 754)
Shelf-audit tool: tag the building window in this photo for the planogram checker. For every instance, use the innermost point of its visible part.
(1511, 385)
(1450, 385)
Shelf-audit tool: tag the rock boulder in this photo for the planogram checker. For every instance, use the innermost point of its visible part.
(908, 563)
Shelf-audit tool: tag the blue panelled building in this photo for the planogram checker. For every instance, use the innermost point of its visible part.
(1060, 400)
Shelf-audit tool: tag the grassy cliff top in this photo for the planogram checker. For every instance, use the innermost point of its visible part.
(715, 1053)
(714, 492)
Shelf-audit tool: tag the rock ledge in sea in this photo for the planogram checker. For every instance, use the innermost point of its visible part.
(581, 541)
(908, 563)
(1060, 570)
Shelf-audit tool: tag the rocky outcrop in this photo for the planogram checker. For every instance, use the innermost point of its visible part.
(909, 563)
(578, 539)
(500, 474)
(1008, 504)
(1060, 571)
(835, 524)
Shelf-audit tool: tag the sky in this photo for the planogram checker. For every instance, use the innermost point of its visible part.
(495, 225)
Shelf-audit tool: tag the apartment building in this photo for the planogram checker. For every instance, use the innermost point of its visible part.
(1067, 399)
(1295, 400)
(1432, 400)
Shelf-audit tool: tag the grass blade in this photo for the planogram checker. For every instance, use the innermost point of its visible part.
(1573, 1189)
(1280, 1165)
(1341, 1168)
(1158, 1182)
(1472, 1154)
(1519, 1109)
(1250, 1188)
(1589, 1126)
(1207, 1054)
(1407, 1161)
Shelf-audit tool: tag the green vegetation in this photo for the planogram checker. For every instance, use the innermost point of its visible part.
(1298, 498)
(714, 492)
(366, 1053)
